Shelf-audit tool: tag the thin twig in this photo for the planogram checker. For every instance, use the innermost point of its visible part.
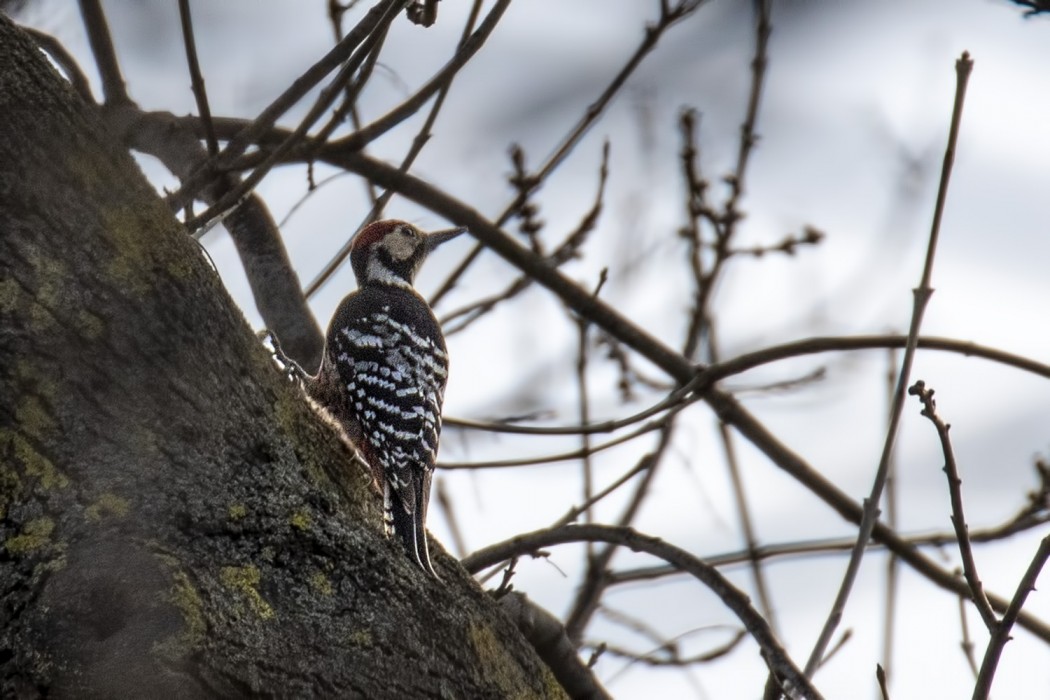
(413, 104)
(743, 508)
(595, 578)
(746, 525)
(1002, 633)
(881, 677)
(696, 209)
(748, 138)
(892, 562)
(670, 657)
(643, 628)
(811, 346)
(349, 106)
(958, 517)
(586, 466)
(967, 642)
(644, 463)
(459, 545)
(567, 250)
(114, 90)
(354, 87)
(725, 224)
(309, 193)
(660, 424)
(335, 16)
(922, 295)
(196, 77)
(675, 398)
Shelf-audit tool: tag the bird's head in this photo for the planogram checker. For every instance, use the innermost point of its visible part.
(391, 252)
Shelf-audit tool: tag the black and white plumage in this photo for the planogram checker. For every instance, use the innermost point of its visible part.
(383, 373)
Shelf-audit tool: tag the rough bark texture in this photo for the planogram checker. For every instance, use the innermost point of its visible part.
(174, 521)
(275, 286)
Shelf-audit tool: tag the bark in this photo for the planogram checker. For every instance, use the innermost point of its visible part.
(174, 520)
(275, 286)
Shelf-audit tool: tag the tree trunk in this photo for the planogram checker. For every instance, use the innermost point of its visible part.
(174, 519)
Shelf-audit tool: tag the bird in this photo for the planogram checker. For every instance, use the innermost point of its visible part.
(383, 373)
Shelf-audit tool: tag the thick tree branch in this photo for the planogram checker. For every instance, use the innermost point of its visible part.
(796, 684)
(547, 635)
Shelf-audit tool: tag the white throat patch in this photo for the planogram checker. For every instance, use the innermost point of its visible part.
(378, 272)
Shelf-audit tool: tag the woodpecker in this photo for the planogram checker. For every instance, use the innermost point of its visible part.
(383, 373)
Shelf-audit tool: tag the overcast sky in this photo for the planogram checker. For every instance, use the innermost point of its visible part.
(853, 125)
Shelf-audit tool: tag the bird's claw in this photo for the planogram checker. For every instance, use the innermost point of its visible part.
(289, 367)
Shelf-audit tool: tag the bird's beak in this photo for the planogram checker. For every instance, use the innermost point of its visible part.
(436, 238)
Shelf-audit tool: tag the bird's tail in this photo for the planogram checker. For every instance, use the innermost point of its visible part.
(407, 523)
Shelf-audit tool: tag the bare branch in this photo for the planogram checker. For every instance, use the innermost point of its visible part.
(254, 129)
(414, 103)
(653, 33)
(197, 79)
(236, 194)
(567, 250)
(951, 469)
(797, 685)
(660, 424)
(547, 635)
(922, 296)
(892, 562)
(746, 524)
(966, 644)
(671, 657)
(1013, 612)
(113, 89)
